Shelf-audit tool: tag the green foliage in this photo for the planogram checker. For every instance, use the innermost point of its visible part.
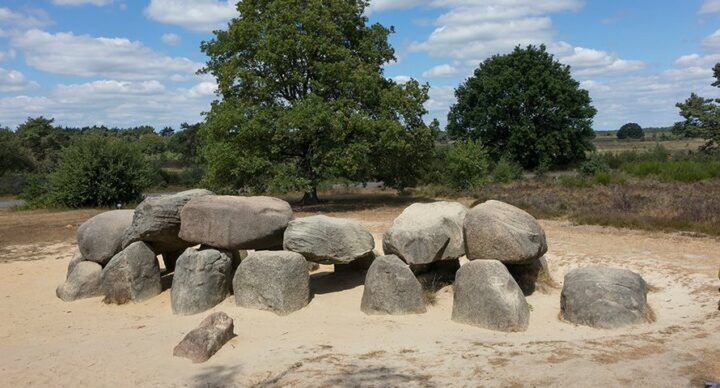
(186, 142)
(674, 170)
(43, 140)
(702, 117)
(99, 171)
(506, 171)
(304, 99)
(630, 131)
(525, 106)
(14, 157)
(466, 165)
(595, 164)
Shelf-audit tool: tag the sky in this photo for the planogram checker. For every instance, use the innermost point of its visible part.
(134, 62)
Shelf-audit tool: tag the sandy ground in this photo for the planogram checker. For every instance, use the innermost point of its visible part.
(46, 342)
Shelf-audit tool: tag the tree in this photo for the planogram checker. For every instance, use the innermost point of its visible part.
(14, 157)
(303, 99)
(630, 131)
(167, 132)
(526, 107)
(185, 142)
(99, 171)
(43, 139)
(702, 117)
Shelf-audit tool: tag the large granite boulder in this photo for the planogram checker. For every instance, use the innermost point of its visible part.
(277, 281)
(156, 221)
(391, 288)
(427, 232)
(85, 281)
(232, 223)
(328, 240)
(77, 258)
(606, 298)
(132, 275)
(485, 295)
(204, 341)
(533, 276)
(497, 231)
(203, 278)
(100, 238)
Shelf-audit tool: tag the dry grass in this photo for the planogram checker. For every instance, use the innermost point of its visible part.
(611, 144)
(641, 204)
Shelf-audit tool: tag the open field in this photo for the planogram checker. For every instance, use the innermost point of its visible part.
(612, 144)
(47, 342)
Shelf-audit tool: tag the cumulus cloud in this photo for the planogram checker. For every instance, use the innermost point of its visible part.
(83, 55)
(13, 81)
(114, 103)
(444, 70)
(98, 3)
(170, 38)
(589, 62)
(195, 15)
(402, 79)
(20, 20)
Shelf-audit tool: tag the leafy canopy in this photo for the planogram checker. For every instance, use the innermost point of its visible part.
(702, 117)
(303, 98)
(630, 131)
(525, 107)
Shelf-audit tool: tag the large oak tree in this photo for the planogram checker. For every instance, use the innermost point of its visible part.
(303, 99)
(525, 106)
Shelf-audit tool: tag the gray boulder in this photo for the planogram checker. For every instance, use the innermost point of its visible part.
(277, 281)
(203, 278)
(391, 288)
(497, 231)
(605, 298)
(328, 240)
(427, 232)
(532, 276)
(77, 258)
(156, 221)
(101, 237)
(485, 295)
(204, 341)
(132, 275)
(85, 281)
(232, 223)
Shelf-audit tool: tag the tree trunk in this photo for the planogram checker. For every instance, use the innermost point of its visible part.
(310, 197)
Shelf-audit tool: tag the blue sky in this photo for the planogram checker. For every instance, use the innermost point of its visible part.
(123, 63)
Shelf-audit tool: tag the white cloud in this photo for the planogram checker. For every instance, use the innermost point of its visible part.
(113, 103)
(83, 55)
(13, 21)
(10, 54)
(171, 39)
(590, 62)
(713, 40)
(13, 81)
(195, 15)
(402, 79)
(710, 6)
(444, 70)
(697, 60)
(98, 3)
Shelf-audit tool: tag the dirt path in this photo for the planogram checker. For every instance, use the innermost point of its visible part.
(44, 341)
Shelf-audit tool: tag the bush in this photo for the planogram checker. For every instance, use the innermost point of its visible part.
(100, 171)
(466, 165)
(630, 131)
(594, 165)
(506, 171)
(674, 171)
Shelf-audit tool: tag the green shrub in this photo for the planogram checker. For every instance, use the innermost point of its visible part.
(466, 165)
(674, 170)
(506, 171)
(100, 171)
(594, 165)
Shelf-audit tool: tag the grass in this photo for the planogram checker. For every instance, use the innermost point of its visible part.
(675, 171)
(612, 144)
